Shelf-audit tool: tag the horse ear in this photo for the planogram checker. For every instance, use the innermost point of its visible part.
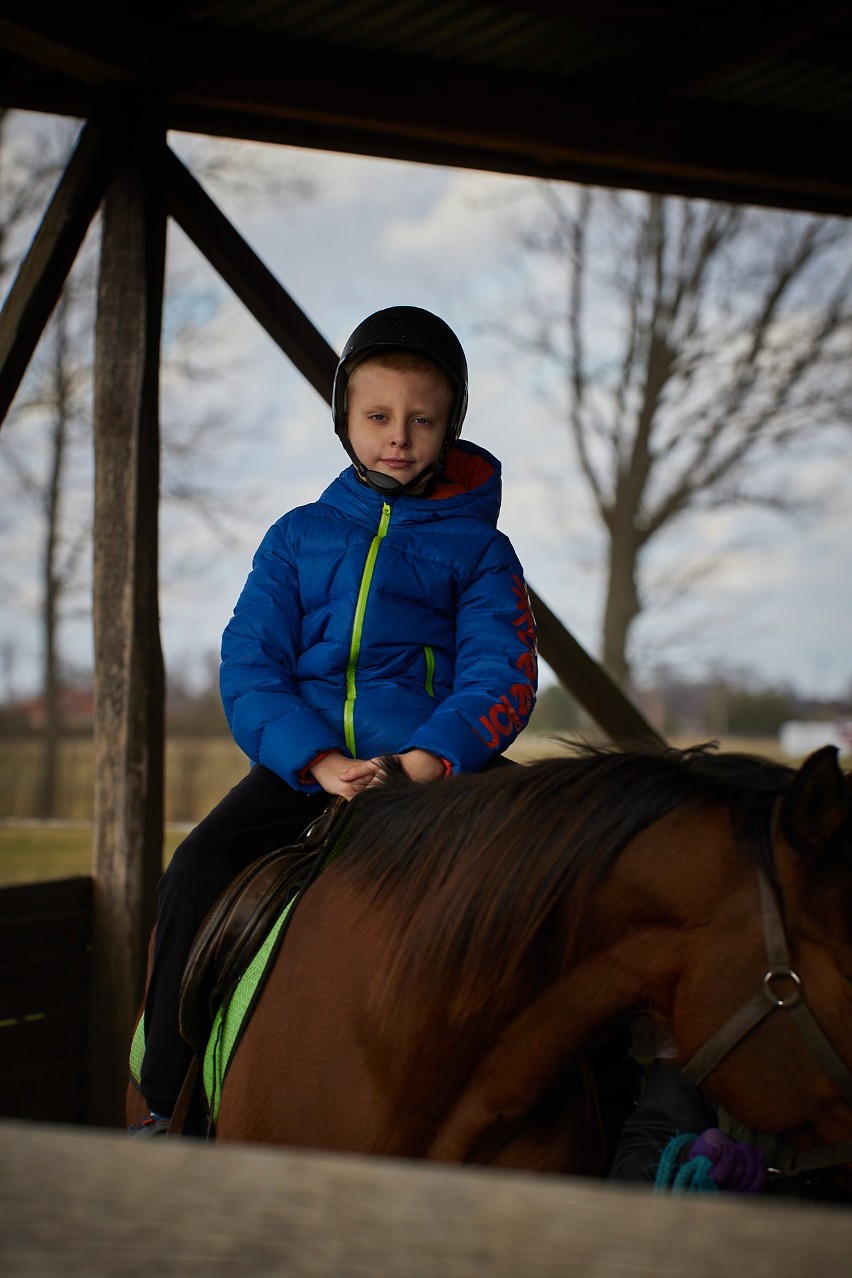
(816, 804)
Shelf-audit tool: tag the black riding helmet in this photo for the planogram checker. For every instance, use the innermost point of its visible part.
(403, 328)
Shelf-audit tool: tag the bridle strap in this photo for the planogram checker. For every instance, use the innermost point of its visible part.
(811, 1032)
(723, 1042)
(800, 1013)
(792, 1162)
(761, 1004)
(768, 1000)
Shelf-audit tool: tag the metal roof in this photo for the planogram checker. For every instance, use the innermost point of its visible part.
(742, 101)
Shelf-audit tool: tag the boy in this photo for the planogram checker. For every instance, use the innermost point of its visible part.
(388, 618)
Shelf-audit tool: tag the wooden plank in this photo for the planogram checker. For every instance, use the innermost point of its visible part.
(121, 1207)
(42, 273)
(587, 682)
(45, 1090)
(53, 896)
(129, 679)
(34, 1037)
(245, 273)
(45, 930)
(43, 985)
(46, 938)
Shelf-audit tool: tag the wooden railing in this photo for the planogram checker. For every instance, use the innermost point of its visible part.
(79, 1203)
(45, 943)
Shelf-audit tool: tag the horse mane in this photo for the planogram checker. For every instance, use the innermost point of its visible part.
(475, 866)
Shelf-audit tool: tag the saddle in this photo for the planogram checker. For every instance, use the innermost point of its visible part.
(240, 920)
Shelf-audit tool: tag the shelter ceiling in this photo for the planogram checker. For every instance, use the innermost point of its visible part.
(740, 101)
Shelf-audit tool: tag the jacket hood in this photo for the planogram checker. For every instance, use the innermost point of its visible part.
(472, 489)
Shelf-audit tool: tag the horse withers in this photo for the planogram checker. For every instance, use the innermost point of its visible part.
(444, 978)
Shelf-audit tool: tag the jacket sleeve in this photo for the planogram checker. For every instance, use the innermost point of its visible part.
(496, 673)
(670, 1106)
(269, 720)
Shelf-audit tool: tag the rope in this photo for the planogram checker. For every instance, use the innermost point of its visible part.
(692, 1177)
(714, 1161)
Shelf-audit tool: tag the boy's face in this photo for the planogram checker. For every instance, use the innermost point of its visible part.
(397, 419)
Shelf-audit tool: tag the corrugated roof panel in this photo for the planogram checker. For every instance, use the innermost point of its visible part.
(778, 86)
(481, 35)
(751, 102)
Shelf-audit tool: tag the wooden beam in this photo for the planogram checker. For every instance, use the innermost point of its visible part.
(633, 109)
(95, 43)
(129, 681)
(825, 190)
(81, 1203)
(245, 273)
(42, 274)
(588, 683)
(533, 126)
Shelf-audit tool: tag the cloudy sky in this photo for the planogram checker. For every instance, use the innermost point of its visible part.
(376, 233)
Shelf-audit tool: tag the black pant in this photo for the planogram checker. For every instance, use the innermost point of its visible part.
(260, 814)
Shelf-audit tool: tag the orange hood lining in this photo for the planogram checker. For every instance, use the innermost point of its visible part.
(462, 473)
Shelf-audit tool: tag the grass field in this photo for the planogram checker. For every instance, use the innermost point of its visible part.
(199, 771)
(33, 852)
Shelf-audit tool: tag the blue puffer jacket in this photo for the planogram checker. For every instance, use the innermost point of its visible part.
(375, 626)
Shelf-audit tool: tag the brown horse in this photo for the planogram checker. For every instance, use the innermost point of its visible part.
(443, 979)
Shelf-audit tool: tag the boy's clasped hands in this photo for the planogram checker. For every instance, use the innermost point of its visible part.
(338, 774)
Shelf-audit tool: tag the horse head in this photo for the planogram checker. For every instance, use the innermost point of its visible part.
(782, 1061)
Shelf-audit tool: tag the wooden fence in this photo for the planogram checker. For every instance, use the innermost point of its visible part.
(45, 942)
(79, 1203)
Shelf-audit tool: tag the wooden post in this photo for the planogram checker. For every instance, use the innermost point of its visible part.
(129, 681)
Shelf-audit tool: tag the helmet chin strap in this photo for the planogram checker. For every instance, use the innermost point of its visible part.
(386, 485)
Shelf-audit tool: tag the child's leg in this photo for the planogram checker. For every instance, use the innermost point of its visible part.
(260, 814)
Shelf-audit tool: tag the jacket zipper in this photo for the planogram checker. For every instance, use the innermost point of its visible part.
(358, 630)
(430, 670)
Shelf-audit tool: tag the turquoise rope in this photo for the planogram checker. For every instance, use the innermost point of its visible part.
(691, 1178)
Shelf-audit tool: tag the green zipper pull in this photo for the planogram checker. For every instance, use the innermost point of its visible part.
(430, 670)
(358, 630)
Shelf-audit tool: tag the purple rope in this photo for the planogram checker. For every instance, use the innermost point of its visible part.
(734, 1165)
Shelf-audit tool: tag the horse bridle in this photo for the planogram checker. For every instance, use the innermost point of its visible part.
(769, 999)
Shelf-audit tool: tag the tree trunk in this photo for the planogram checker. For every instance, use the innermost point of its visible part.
(51, 585)
(622, 601)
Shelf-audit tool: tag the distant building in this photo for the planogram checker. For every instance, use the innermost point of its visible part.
(76, 710)
(802, 736)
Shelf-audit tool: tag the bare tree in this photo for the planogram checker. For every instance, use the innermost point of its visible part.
(692, 343)
(41, 445)
(45, 458)
(50, 467)
(26, 175)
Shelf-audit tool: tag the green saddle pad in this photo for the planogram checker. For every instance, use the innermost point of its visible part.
(227, 1023)
(231, 1016)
